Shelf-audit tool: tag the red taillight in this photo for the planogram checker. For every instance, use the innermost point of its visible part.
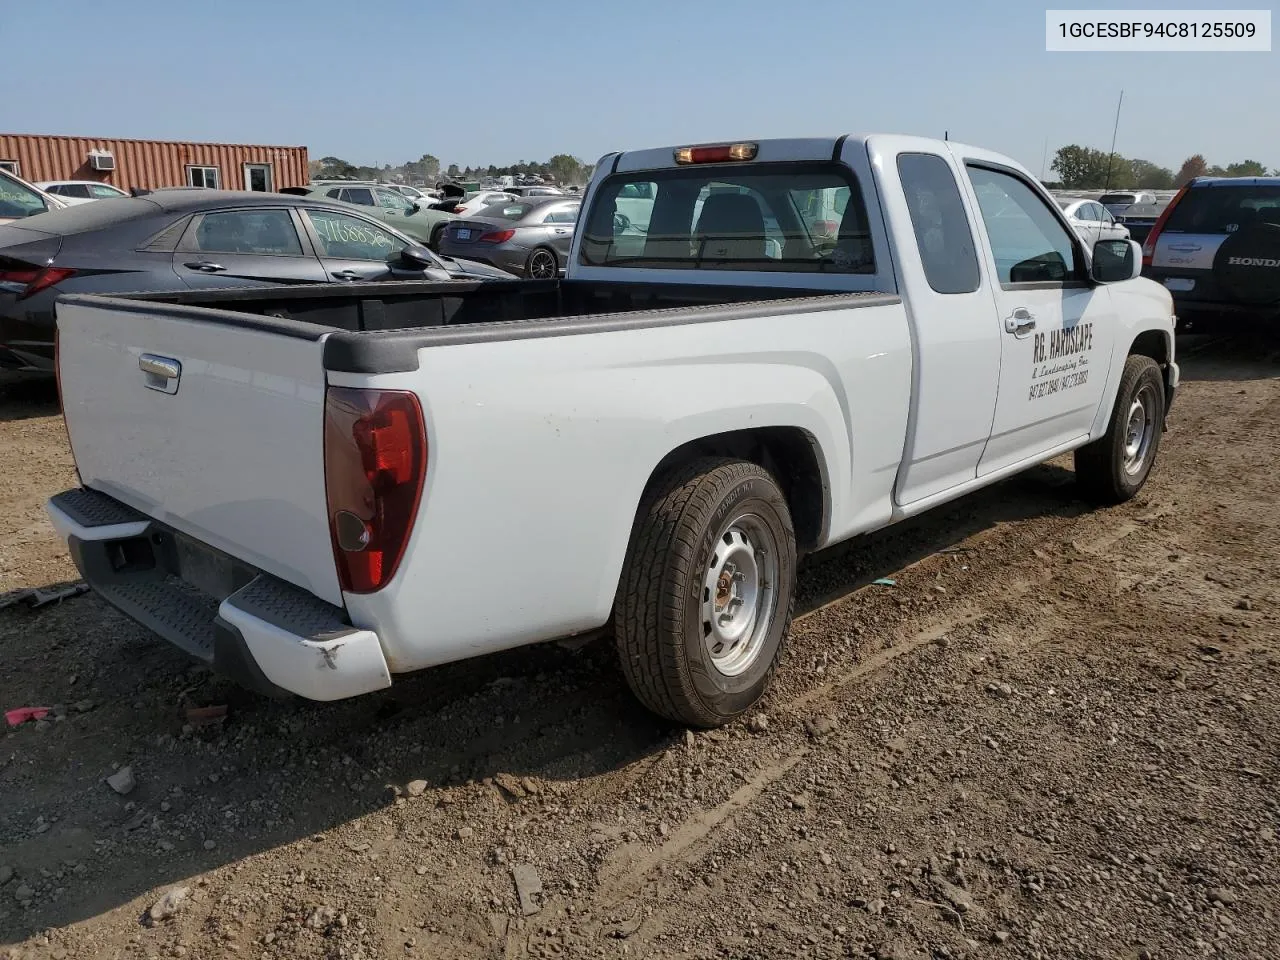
(717, 153)
(1149, 244)
(497, 236)
(459, 209)
(35, 278)
(375, 461)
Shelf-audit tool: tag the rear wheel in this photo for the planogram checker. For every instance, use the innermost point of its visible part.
(707, 591)
(1114, 467)
(542, 265)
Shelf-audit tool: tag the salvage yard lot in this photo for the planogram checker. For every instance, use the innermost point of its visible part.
(1054, 735)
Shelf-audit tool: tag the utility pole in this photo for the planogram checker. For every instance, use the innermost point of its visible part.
(1112, 154)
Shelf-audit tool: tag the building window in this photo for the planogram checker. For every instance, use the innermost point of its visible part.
(257, 176)
(203, 177)
(11, 166)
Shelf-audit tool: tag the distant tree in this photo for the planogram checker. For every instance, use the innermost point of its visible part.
(336, 167)
(453, 171)
(1192, 167)
(1246, 168)
(1117, 173)
(1149, 176)
(1216, 171)
(564, 168)
(1080, 167)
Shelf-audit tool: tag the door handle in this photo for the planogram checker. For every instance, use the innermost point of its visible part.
(162, 373)
(1022, 322)
(346, 275)
(204, 266)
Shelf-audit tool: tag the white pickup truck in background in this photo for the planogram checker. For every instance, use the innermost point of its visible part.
(317, 489)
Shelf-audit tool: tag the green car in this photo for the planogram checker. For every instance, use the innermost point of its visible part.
(413, 217)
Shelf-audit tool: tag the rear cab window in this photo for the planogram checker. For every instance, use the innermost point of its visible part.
(943, 233)
(792, 217)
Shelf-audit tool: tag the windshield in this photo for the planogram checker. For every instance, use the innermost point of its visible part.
(793, 217)
(1223, 210)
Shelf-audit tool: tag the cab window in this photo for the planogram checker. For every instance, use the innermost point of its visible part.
(1029, 244)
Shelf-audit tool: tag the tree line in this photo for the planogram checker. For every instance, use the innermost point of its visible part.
(562, 168)
(1080, 168)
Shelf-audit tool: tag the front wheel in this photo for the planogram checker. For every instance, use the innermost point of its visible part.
(707, 591)
(1113, 468)
(541, 265)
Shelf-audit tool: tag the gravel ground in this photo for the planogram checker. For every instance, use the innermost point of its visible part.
(1054, 737)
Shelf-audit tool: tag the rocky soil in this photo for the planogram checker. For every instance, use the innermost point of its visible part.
(1054, 736)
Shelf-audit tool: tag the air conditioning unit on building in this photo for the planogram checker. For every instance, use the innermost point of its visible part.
(102, 160)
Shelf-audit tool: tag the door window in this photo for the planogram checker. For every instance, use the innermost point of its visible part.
(257, 232)
(390, 199)
(19, 200)
(100, 191)
(350, 238)
(941, 225)
(78, 190)
(203, 177)
(1087, 212)
(1029, 244)
(360, 195)
(562, 215)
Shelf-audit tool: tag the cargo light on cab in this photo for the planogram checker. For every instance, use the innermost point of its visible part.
(717, 153)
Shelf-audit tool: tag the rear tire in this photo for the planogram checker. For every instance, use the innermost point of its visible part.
(542, 265)
(707, 591)
(1113, 468)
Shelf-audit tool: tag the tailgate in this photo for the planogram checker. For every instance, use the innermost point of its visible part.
(208, 421)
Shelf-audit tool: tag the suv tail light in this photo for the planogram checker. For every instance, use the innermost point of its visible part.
(1149, 244)
(497, 236)
(375, 461)
(34, 279)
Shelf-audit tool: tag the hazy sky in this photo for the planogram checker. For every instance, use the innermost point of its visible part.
(492, 81)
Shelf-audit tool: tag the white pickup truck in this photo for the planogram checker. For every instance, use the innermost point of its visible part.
(317, 489)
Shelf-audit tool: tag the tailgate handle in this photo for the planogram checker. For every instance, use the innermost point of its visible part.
(162, 373)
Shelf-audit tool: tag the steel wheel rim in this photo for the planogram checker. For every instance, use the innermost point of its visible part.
(542, 266)
(739, 594)
(1139, 430)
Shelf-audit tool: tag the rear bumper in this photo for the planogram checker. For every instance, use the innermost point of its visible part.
(266, 634)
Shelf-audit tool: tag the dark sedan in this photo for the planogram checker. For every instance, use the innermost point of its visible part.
(529, 237)
(172, 240)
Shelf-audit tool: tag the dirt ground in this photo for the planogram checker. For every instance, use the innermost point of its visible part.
(1055, 736)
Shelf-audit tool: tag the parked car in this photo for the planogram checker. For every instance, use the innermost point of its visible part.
(1092, 220)
(1119, 203)
(192, 238)
(534, 190)
(418, 219)
(81, 191)
(654, 441)
(1216, 248)
(19, 199)
(529, 237)
(474, 203)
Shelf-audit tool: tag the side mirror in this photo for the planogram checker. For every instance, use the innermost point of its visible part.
(415, 206)
(1116, 260)
(414, 257)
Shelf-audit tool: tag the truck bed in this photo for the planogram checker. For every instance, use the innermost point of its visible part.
(382, 325)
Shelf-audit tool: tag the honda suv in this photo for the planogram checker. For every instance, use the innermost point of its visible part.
(1217, 249)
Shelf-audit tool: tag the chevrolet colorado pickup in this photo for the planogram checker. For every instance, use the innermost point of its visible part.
(796, 342)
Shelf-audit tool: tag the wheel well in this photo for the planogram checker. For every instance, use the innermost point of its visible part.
(1153, 344)
(790, 454)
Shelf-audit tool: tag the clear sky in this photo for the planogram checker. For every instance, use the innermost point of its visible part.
(496, 81)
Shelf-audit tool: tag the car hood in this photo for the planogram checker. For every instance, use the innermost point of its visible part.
(473, 268)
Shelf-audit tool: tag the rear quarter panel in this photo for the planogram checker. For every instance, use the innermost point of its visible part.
(540, 449)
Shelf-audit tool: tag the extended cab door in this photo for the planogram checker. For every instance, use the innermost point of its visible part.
(956, 359)
(1056, 326)
(233, 248)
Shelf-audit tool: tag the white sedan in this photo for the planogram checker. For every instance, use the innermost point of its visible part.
(1092, 221)
(81, 191)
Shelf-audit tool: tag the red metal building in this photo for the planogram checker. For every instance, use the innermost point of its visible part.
(154, 163)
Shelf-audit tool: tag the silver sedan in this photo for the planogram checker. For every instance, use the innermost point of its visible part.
(529, 237)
